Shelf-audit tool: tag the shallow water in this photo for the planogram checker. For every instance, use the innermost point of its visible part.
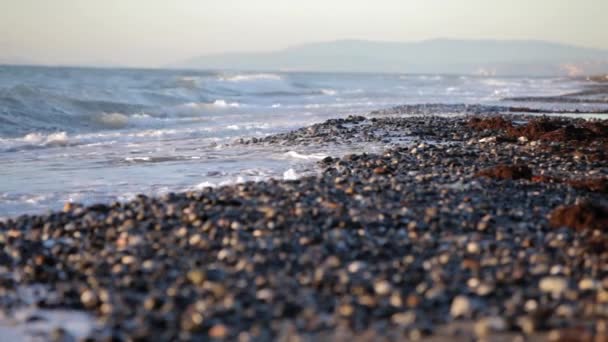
(100, 135)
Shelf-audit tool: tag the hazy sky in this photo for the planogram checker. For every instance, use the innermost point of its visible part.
(155, 32)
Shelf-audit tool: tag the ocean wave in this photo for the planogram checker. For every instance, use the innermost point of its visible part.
(53, 139)
(189, 82)
(28, 108)
(113, 120)
(250, 77)
(495, 82)
(421, 77)
(313, 156)
(329, 92)
(217, 104)
(35, 140)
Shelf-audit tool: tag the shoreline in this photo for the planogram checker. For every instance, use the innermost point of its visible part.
(457, 224)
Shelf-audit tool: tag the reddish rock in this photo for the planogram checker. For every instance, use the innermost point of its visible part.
(545, 179)
(534, 129)
(568, 133)
(599, 128)
(493, 123)
(595, 185)
(506, 172)
(580, 216)
(381, 170)
(547, 129)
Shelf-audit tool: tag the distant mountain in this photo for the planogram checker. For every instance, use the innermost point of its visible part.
(496, 57)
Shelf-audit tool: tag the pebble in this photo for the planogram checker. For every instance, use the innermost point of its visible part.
(461, 307)
(554, 285)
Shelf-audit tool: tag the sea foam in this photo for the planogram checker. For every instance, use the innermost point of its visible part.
(250, 77)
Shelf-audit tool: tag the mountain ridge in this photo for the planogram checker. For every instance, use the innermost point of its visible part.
(441, 55)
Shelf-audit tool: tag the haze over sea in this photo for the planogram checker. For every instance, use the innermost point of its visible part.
(99, 135)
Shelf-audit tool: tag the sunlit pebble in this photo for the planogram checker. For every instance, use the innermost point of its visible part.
(382, 287)
(218, 331)
(88, 298)
(356, 266)
(473, 248)
(404, 318)
(396, 300)
(531, 305)
(128, 259)
(473, 282)
(194, 239)
(461, 307)
(587, 284)
(554, 285)
(346, 310)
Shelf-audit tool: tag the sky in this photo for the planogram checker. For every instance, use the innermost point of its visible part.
(151, 33)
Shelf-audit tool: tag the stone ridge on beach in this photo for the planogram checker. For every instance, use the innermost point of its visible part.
(595, 92)
(400, 245)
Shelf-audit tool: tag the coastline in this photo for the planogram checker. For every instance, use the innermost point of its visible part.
(460, 223)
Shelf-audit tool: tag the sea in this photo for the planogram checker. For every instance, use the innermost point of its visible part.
(90, 135)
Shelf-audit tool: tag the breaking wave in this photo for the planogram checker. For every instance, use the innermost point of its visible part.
(113, 120)
(35, 140)
(249, 77)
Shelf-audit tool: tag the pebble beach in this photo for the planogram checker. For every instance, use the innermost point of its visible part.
(492, 225)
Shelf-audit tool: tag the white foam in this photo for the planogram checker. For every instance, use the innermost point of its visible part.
(203, 185)
(314, 156)
(52, 139)
(224, 104)
(35, 199)
(18, 327)
(195, 107)
(329, 92)
(290, 175)
(136, 159)
(250, 77)
(141, 116)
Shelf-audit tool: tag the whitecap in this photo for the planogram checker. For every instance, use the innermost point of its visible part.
(250, 77)
(329, 92)
(224, 104)
(204, 185)
(137, 159)
(52, 139)
(141, 116)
